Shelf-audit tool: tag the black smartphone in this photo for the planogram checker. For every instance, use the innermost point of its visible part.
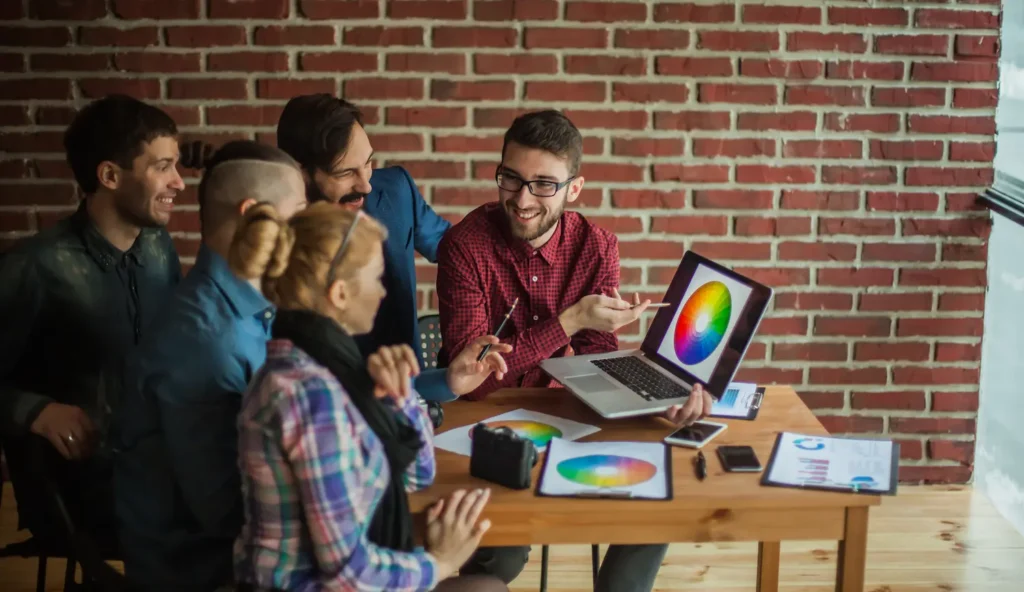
(740, 459)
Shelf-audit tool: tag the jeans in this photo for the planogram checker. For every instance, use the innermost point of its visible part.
(626, 568)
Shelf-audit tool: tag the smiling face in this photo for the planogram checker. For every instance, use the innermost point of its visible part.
(144, 194)
(347, 183)
(530, 217)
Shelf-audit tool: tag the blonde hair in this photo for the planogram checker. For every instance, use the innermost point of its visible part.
(295, 260)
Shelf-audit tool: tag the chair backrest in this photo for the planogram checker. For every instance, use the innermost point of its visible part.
(430, 339)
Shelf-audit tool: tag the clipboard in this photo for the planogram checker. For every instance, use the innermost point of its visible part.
(752, 411)
(892, 463)
(609, 492)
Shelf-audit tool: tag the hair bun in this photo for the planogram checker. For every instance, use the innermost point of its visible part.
(196, 154)
(262, 245)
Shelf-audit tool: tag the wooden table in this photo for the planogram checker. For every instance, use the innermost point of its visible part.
(723, 507)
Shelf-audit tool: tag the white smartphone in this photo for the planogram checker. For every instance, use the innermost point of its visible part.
(696, 435)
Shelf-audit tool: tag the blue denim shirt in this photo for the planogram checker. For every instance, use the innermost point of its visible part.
(177, 483)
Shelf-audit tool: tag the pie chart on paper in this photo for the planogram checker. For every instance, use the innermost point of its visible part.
(702, 323)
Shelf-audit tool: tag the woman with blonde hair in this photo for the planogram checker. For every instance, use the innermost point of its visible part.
(330, 443)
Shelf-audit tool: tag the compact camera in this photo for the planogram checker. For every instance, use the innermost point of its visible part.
(501, 456)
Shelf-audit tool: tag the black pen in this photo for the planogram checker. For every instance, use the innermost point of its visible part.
(702, 466)
(487, 348)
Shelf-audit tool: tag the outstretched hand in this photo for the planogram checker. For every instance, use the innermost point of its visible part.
(466, 374)
(392, 368)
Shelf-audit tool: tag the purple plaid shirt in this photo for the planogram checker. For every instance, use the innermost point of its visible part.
(313, 473)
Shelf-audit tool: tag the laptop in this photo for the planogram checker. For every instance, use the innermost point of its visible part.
(701, 338)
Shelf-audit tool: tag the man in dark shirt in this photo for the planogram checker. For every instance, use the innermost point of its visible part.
(78, 296)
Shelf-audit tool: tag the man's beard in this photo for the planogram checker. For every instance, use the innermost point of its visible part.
(548, 219)
(314, 194)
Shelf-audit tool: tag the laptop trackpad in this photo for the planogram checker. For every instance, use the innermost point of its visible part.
(592, 383)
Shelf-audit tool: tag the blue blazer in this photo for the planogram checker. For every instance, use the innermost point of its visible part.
(413, 227)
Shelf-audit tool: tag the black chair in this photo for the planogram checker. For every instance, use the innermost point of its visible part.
(32, 547)
(430, 344)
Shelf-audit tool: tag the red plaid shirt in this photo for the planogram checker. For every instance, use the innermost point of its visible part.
(482, 269)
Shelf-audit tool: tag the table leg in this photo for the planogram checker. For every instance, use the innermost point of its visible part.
(853, 552)
(768, 553)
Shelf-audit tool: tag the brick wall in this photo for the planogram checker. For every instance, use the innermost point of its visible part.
(830, 148)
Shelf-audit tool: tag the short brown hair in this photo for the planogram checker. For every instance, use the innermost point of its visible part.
(550, 131)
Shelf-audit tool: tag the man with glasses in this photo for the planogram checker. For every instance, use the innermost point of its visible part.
(564, 271)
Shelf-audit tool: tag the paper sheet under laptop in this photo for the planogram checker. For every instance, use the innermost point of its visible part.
(737, 400)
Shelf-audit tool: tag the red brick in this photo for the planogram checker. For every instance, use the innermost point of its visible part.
(613, 172)
(961, 252)
(691, 120)
(954, 72)
(565, 91)
(463, 196)
(694, 13)
(39, 194)
(383, 88)
(693, 66)
(928, 475)
(761, 174)
(970, 227)
(793, 199)
(942, 401)
(652, 198)
(780, 326)
(937, 45)
(975, 98)
(36, 88)
(809, 352)
(34, 36)
(972, 151)
(738, 41)
(944, 124)
(849, 96)
(822, 149)
(852, 122)
(605, 12)
(963, 202)
(339, 9)
(864, 276)
(243, 115)
(619, 225)
(670, 39)
(830, 42)
(910, 449)
(14, 62)
(555, 38)
(428, 9)
(942, 277)
(286, 89)
(151, 61)
(939, 327)
(776, 276)
(955, 450)
(788, 121)
(647, 249)
(697, 173)
(156, 9)
(691, 225)
(848, 175)
(848, 70)
(584, 119)
(738, 93)
(495, 117)
(62, 10)
(898, 252)
(733, 251)
(852, 424)
(769, 375)
(649, 92)
(775, 68)
(648, 147)
(219, 88)
(64, 62)
(95, 88)
(775, 226)
(605, 65)
(851, 326)
(899, 400)
(902, 201)
(340, 62)
(817, 251)
(205, 36)
(868, 16)
(434, 169)
(248, 61)
(907, 150)
(515, 10)
(930, 425)
(18, 115)
(490, 144)
(249, 9)
(118, 37)
(977, 46)
(908, 97)
(956, 19)
(383, 36)
(731, 199)
(895, 302)
(781, 15)
(957, 352)
(522, 63)
(905, 351)
(706, 147)
(295, 35)
(962, 302)
(949, 177)
(474, 37)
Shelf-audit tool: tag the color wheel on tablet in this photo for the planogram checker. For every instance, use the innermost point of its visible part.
(538, 433)
(702, 323)
(606, 470)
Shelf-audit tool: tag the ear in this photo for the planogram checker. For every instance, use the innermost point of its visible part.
(245, 205)
(109, 175)
(337, 295)
(575, 188)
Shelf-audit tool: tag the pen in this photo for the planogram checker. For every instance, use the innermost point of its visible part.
(702, 466)
(655, 305)
(487, 348)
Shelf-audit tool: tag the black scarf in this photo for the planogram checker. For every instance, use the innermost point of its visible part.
(327, 343)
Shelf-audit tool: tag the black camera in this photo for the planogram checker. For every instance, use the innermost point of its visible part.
(499, 455)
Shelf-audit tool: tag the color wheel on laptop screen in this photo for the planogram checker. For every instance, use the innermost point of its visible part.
(702, 323)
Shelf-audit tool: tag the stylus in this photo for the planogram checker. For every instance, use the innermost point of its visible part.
(655, 305)
(702, 466)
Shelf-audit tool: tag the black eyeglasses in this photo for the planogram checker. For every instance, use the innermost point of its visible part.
(537, 187)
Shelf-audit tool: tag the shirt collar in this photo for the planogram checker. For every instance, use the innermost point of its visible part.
(242, 296)
(522, 249)
(105, 254)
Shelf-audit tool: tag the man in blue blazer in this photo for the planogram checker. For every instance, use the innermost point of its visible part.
(326, 136)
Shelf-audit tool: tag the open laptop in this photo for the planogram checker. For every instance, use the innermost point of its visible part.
(700, 338)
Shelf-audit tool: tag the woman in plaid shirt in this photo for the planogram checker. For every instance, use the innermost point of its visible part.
(330, 443)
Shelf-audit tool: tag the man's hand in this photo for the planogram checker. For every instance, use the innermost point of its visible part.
(465, 373)
(601, 313)
(698, 406)
(392, 368)
(68, 428)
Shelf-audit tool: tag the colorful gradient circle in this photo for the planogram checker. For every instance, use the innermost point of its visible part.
(703, 322)
(538, 433)
(606, 470)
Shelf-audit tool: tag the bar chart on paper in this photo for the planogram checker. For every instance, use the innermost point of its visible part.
(847, 464)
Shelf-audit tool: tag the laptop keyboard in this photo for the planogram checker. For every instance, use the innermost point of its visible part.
(641, 378)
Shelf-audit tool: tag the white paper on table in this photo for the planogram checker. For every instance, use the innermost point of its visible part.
(534, 425)
(737, 400)
(615, 469)
(844, 463)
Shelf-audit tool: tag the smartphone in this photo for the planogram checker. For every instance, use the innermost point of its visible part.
(696, 435)
(739, 459)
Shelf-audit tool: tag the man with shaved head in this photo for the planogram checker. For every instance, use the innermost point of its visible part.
(177, 483)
